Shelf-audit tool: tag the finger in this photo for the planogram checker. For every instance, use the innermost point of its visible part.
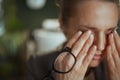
(58, 64)
(89, 57)
(113, 48)
(117, 41)
(80, 43)
(110, 61)
(68, 59)
(85, 49)
(73, 40)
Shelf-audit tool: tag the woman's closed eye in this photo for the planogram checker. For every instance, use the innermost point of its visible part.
(111, 30)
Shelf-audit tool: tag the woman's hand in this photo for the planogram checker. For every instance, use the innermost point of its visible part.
(82, 49)
(113, 56)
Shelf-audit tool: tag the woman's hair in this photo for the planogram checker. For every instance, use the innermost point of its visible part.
(67, 7)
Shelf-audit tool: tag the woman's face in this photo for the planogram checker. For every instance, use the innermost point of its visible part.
(99, 17)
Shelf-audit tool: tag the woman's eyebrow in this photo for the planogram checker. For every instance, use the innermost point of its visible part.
(93, 28)
(86, 26)
(113, 28)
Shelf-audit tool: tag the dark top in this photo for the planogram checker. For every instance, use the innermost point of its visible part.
(39, 66)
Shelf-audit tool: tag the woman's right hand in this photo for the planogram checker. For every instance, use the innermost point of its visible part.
(82, 48)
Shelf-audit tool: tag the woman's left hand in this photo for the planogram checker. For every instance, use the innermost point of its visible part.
(113, 56)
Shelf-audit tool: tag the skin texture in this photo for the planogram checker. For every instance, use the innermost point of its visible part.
(113, 56)
(88, 34)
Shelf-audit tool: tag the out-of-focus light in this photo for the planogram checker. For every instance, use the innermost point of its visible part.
(35, 4)
(47, 41)
(1, 1)
(50, 24)
(2, 28)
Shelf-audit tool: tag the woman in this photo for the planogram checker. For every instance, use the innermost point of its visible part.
(90, 27)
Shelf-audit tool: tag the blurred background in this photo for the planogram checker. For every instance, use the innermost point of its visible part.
(27, 27)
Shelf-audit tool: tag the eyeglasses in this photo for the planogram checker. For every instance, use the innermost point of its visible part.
(57, 64)
(60, 61)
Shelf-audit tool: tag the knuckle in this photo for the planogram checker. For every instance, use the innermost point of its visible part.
(68, 65)
(84, 51)
(89, 42)
(84, 38)
(69, 44)
(75, 49)
(72, 40)
(76, 46)
(86, 48)
(85, 35)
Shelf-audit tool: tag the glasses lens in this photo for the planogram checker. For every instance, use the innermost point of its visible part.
(64, 62)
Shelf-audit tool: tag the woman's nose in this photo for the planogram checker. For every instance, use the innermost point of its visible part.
(101, 41)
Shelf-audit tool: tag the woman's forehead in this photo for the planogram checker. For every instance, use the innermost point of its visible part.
(97, 14)
(96, 6)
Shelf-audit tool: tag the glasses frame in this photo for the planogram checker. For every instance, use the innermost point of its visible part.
(67, 49)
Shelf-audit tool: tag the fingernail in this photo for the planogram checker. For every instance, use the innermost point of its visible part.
(115, 32)
(89, 32)
(111, 35)
(80, 32)
(95, 46)
(91, 36)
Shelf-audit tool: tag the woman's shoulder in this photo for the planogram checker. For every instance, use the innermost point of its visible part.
(41, 60)
(38, 66)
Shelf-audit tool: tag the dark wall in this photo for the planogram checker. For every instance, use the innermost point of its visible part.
(33, 18)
